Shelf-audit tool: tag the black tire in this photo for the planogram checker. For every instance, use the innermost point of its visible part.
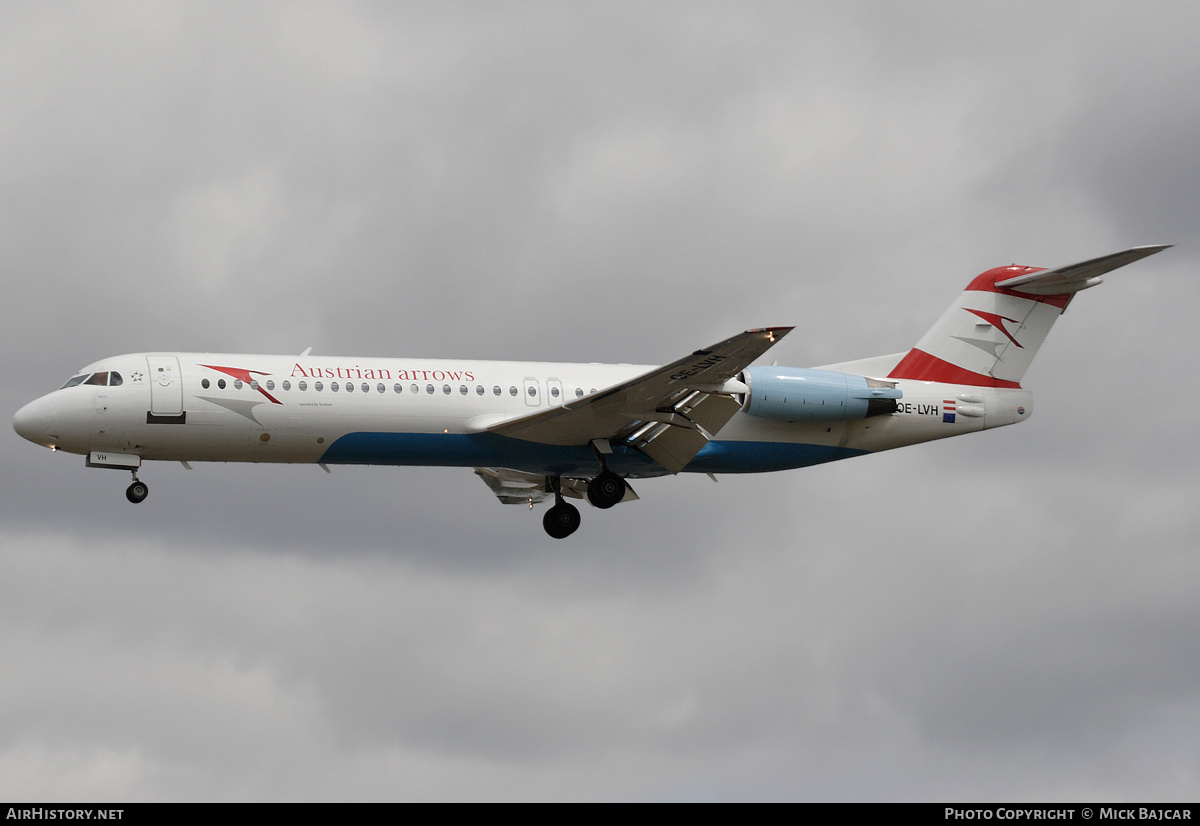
(561, 521)
(137, 492)
(606, 490)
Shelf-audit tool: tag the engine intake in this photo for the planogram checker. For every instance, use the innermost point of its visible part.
(800, 394)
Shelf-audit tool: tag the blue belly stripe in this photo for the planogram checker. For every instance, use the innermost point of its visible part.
(491, 450)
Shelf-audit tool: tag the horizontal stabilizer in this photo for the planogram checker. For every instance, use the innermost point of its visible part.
(1075, 277)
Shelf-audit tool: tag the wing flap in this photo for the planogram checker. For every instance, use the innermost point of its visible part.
(673, 443)
(516, 487)
(669, 445)
(513, 487)
(711, 411)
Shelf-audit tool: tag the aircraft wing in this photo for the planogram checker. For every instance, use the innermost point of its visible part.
(516, 487)
(1075, 277)
(669, 413)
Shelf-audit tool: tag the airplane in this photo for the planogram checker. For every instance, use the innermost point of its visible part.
(534, 431)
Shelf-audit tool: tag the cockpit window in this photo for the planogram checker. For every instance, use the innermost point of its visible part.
(74, 380)
(107, 379)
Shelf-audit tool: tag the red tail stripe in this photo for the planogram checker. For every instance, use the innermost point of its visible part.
(985, 282)
(921, 366)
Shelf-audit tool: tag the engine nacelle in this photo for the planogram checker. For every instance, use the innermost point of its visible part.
(799, 394)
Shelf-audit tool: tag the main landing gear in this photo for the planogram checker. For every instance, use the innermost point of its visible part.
(606, 490)
(138, 491)
(562, 519)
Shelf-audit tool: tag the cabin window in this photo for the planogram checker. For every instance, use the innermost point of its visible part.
(287, 385)
(496, 390)
(446, 389)
(302, 386)
(415, 389)
(318, 386)
(380, 387)
(253, 384)
(366, 388)
(399, 388)
(532, 391)
(349, 387)
(333, 386)
(479, 390)
(579, 392)
(221, 383)
(429, 389)
(270, 384)
(237, 384)
(204, 383)
(512, 390)
(462, 388)
(593, 390)
(554, 392)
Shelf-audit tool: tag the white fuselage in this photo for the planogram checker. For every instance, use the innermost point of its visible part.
(307, 409)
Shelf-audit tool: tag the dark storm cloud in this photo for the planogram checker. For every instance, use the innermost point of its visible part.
(1005, 616)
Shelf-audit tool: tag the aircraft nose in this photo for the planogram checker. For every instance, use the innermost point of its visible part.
(35, 421)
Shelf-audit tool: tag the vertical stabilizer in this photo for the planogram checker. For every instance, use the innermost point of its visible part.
(990, 335)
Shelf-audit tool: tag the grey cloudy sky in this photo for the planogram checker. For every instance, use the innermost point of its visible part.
(1007, 616)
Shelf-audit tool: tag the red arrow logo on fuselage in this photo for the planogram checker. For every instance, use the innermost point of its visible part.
(244, 375)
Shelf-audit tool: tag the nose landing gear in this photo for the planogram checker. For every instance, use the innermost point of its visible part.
(138, 491)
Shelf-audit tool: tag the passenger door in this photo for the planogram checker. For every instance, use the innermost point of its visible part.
(166, 387)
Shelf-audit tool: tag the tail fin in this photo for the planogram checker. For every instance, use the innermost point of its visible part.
(990, 335)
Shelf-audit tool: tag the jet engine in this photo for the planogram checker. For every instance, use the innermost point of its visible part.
(799, 394)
